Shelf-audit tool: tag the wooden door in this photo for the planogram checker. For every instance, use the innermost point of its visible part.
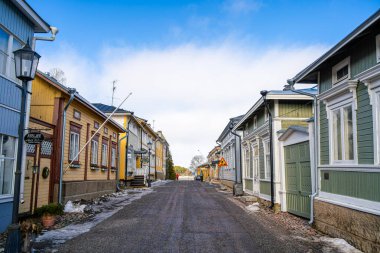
(298, 179)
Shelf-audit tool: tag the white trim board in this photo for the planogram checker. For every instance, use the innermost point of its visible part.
(350, 202)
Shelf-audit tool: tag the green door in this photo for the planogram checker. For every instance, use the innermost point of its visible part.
(298, 179)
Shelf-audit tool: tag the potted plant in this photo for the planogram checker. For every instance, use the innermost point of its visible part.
(48, 213)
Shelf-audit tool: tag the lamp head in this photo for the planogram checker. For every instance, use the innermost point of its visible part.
(264, 93)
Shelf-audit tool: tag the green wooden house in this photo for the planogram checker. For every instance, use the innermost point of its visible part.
(287, 109)
(347, 203)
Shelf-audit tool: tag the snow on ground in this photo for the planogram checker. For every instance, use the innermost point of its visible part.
(253, 208)
(71, 207)
(338, 245)
(104, 210)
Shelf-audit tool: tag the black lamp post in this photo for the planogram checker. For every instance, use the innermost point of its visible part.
(264, 95)
(26, 62)
(149, 149)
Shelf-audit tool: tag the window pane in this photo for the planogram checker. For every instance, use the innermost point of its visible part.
(4, 37)
(342, 73)
(348, 134)
(6, 176)
(337, 144)
(8, 146)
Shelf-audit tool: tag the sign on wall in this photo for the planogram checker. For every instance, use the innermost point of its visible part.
(34, 138)
(222, 162)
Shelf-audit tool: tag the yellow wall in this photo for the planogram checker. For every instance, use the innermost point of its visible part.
(87, 117)
(43, 97)
(159, 157)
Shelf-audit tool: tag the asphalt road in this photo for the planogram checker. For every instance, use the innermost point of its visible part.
(185, 216)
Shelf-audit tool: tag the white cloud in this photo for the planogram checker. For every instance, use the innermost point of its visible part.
(189, 91)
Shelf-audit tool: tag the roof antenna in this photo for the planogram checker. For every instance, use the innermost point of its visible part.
(113, 90)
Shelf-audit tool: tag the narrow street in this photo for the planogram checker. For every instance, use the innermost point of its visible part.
(186, 216)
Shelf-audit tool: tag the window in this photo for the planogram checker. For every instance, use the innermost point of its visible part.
(114, 135)
(105, 152)
(74, 146)
(266, 113)
(342, 134)
(74, 142)
(105, 130)
(77, 114)
(96, 125)
(94, 151)
(246, 165)
(341, 71)
(113, 156)
(267, 164)
(7, 163)
(8, 44)
(256, 162)
(255, 122)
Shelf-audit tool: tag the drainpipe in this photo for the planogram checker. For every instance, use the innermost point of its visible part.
(118, 155)
(53, 31)
(264, 94)
(237, 152)
(314, 176)
(72, 95)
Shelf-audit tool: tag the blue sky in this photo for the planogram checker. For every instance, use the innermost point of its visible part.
(191, 65)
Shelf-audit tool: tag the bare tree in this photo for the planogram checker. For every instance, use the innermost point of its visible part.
(58, 75)
(196, 161)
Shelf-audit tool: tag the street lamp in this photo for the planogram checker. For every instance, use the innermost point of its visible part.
(26, 62)
(149, 149)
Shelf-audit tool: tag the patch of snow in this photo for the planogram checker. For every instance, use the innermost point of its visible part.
(160, 182)
(108, 208)
(338, 245)
(253, 208)
(70, 207)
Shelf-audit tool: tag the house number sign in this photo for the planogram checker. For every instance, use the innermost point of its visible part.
(34, 138)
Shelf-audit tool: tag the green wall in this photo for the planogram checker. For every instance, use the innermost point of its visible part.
(265, 187)
(364, 185)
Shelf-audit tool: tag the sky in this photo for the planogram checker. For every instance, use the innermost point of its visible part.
(191, 65)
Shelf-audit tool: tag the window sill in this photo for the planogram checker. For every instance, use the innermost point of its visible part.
(94, 168)
(75, 166)
(104, 169)
(6, 198)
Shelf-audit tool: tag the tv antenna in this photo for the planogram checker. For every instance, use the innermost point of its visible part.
(113, 90)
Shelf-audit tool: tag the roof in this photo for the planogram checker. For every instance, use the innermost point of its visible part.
(304, 75)
(147, 126)
(277, 94)
(109, 108)
(79, 98)
(291, 130)
(226, 129)
(40, 25)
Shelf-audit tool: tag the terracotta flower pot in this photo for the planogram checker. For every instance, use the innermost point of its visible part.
(48, 220)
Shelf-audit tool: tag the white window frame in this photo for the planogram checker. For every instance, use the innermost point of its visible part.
(340, 103)
(266, 113)
(8, 62)
(4, 196)
(337, 67)
(266, 148)
(375, 101)
(104, 154)
(255, 122)
(255, 162)
(94, 151)
(378, 48)
(74, 150)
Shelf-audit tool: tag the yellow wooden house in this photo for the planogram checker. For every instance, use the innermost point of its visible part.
(91, 173)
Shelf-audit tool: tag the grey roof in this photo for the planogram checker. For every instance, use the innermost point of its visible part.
(260, 102)
(109, 108)
(308, 71)
(292, 129)
(226, 129)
